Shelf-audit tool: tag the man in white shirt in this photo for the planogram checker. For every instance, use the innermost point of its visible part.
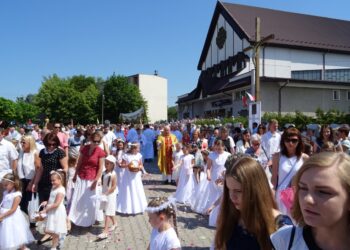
(270, 141)
(108, 136)
(8, 157)
(227, 140)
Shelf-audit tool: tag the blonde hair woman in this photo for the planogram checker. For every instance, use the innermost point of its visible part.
(321, 207)
(28, 162)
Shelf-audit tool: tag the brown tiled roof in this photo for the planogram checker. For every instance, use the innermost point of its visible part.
(290, 29)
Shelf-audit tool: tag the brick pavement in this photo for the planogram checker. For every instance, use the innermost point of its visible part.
(133, 232)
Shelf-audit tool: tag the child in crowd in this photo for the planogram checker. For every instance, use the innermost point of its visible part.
(201, 194)
(14, 228)
(164, 236)
(119, 170)
(198, 160)
(185, 186)
(132, 197)
(176, 161)
(56, 222)
(109, 184)
(72, 164)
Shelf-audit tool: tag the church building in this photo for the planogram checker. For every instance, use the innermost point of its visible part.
(303, 67)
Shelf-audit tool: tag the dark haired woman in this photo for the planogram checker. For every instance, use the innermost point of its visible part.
(326, 135)
(286, 163)
(88, 174)
(52, 158)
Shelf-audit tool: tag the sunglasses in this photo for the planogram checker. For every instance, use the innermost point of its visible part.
(57, 127)
(51, 144)
(96, 142)
(294, 141)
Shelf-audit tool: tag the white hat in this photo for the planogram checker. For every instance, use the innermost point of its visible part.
(111, 158)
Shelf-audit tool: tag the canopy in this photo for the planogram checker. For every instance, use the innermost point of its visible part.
(132, 116)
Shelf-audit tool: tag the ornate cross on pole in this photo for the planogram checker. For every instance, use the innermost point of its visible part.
(256, 52)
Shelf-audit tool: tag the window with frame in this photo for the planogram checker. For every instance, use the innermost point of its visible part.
(337, 75)
(348, 95)
(307, 74)
(336, 95)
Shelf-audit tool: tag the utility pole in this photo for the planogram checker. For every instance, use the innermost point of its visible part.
(257, 60)
(103, 101)
(256, 53)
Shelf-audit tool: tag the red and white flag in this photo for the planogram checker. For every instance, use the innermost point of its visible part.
(251, 97)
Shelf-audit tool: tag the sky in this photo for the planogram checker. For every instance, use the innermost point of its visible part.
(97, 38)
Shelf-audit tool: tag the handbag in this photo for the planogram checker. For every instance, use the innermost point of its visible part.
(33, 207)
(287, 197)
(287, 194)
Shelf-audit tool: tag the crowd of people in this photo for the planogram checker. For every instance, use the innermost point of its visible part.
(261, 188)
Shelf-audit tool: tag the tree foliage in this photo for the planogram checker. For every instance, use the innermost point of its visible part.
(63, 99)
(172, 113)
(120, 97)
(7, 109)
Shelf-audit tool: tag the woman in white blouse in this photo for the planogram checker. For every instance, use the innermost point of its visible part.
(28, 162)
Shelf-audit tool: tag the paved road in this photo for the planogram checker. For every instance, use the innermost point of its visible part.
(133, 232)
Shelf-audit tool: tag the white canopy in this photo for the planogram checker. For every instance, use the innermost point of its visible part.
(133, 115)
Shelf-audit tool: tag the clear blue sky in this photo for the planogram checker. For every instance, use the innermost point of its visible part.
(98, 37)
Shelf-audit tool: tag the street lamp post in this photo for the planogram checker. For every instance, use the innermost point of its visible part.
(102, 111)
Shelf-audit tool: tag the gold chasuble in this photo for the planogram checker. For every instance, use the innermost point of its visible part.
(165, 153)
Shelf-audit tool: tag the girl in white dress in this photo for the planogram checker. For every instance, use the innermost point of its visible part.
(109, 184)
(56, 222)
(201, 194)
(132, 197)
(14, 228)
(177, 161)
(215, 169)
(185, 187)
(119, 170)
(164, 236)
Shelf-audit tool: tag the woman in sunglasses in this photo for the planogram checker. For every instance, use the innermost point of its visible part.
(28, 161)
(52, 158)
(87, 175)
(285, 165)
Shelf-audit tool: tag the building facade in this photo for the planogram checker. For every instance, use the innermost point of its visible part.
(305, 66)
(155, 91)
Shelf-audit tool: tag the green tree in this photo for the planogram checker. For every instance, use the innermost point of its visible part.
(60, 101)
(120, 97)
(172, 113)
(26, 111)
(7, 109)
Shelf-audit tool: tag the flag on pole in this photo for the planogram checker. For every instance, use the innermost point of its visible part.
(251, 97)
(245, 101)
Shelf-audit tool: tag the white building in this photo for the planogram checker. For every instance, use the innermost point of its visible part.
(155, 91)
(304, 67)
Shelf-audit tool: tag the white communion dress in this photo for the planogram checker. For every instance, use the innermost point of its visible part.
(131, 198)
(109, 206)
(218, 166)
(14, 229)
(186, 185)
(56, 221)
(200, 196)
(165, 240)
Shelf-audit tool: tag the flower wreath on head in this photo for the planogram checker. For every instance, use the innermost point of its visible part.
(171, 202)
